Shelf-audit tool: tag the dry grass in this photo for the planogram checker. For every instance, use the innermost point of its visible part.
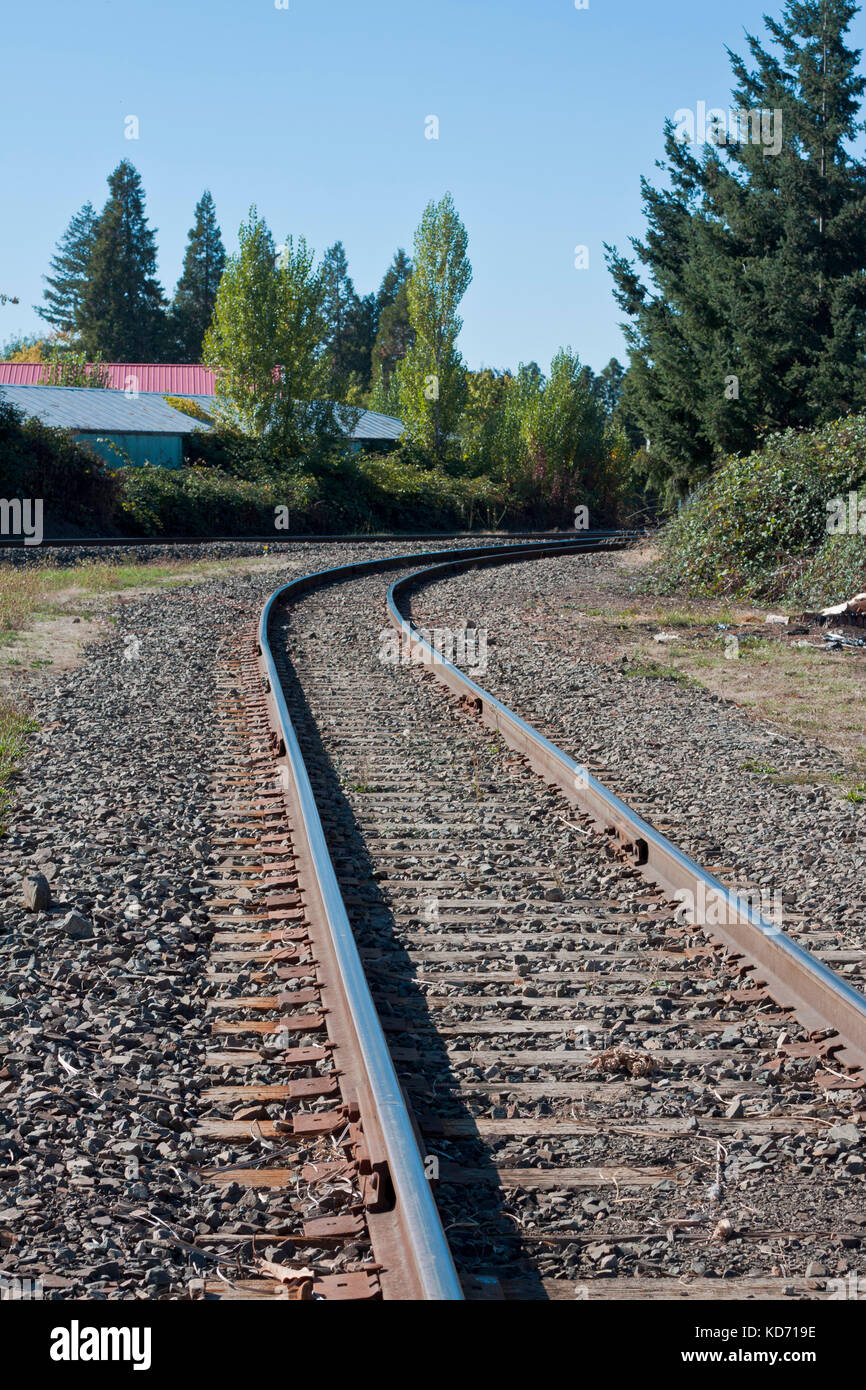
(27, 591)
(14, 727)
(624, 1059)
(808, 692)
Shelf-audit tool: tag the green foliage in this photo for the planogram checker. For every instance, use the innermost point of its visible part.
(194, 299)
(229, 450)
(394, 333)
(38, 461)
(205, 501)
(265, 345)
(122, 310)
(431, 376)
(835, 572)
(482, 427)
(387, 491)
(240, 344)
(754, 528)
(188, 407)
(62, 298)
(546, 441)
(351, 324)
(65, 368)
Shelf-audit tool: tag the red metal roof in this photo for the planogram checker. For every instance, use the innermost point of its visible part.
(173, 379)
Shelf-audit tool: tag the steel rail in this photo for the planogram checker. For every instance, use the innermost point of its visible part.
(794, 978)
(430, 1273)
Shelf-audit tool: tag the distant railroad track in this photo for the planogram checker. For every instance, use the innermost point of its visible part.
(10, 545)
(529, 1048)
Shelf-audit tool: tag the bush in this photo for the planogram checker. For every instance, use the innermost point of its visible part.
(835, 572)
(396, 494)
(38, 461)
(187, 407)
(756, 525)
(205, 501)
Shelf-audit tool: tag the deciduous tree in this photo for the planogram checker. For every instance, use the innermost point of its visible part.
(431, 377)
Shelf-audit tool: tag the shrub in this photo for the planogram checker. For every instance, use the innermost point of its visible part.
(753, 527)
(835, 572)
(205, 501)
(38, 461)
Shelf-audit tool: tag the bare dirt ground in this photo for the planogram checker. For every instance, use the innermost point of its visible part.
(785, 675)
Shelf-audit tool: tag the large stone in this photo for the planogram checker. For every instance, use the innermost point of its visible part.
(37, 893)
(77, 926)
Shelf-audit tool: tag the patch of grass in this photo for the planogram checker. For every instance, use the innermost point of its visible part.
(654, 670)
(762, 769)
(14, 728)
(856, 793)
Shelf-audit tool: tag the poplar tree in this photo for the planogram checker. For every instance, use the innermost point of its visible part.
(265, 343)
(122, 313)
(195, 295)
(62, 297)
(431, 378)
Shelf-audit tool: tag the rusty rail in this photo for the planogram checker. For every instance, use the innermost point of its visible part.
(794, 978)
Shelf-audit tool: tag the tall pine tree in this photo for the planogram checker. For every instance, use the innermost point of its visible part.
(394, 332)
(755, 253)
(123, 306)
(194, 299)
(62, 297)
(340, 306)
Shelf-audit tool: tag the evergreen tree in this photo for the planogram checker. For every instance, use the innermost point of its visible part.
(122, 313)
(608, 386)
(431, 376)
(394, 333)
(361, 330)
(69, 267)
(756, 253)
(340, 306)
(195, 296)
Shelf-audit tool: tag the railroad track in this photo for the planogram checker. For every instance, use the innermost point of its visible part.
(468, 1040)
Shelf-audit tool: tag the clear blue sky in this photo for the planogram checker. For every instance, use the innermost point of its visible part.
(548, 117)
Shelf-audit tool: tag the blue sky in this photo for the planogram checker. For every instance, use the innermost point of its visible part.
(548, 116)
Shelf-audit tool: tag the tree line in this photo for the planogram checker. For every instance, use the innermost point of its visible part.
(283, 344)
(295, 349)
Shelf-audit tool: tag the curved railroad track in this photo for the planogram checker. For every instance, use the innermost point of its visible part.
(497, 1035)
